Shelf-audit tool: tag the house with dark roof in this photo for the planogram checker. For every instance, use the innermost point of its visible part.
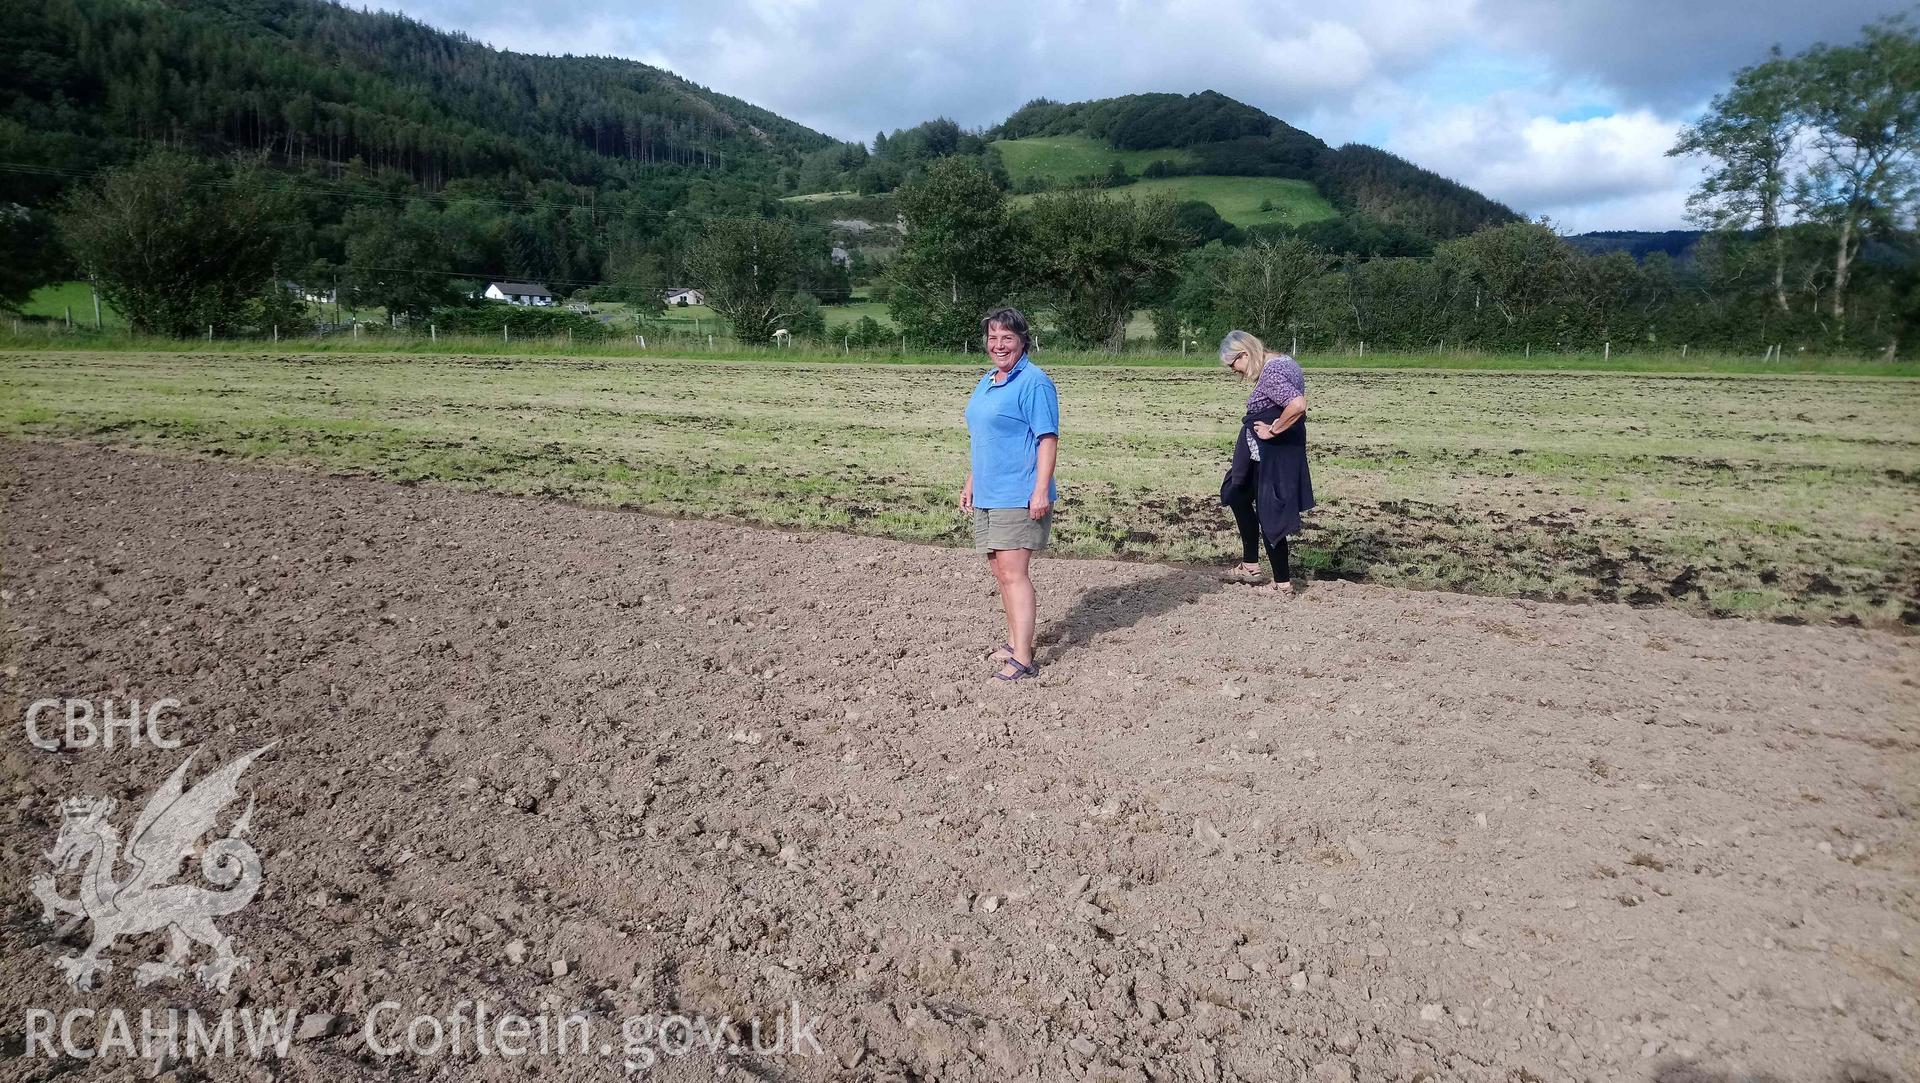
(519, 293)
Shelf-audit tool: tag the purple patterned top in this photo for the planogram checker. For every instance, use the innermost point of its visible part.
(1280, 383)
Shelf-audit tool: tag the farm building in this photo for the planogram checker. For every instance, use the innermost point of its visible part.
(313, 294)
(519, 293)
(682, 297)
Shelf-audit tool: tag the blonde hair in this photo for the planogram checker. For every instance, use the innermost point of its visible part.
(1239, 342)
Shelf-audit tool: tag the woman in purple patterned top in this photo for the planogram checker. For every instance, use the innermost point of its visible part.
(1268, 484)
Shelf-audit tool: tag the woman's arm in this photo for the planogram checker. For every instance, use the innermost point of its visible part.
(1295, 409)
(1049, 454)
(966, 493)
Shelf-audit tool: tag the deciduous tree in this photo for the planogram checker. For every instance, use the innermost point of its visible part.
(746, 267)
(1260, 287)
(959, 258)
(397, 259)
(179, 245)
(1862, 105)
(1749, 133)
(1093, 256)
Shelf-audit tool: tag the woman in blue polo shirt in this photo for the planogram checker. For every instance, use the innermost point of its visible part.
(1013, 422)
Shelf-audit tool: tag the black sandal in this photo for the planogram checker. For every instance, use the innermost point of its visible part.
(1021, 671)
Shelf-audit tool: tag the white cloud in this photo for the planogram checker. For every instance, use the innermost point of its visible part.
(1585, 174)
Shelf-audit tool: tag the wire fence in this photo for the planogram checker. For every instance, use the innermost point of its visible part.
(660, 342)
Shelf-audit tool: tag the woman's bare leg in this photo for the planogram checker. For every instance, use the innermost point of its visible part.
(1012, 570)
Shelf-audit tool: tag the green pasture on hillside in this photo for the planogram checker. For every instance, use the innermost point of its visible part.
(1063, 158)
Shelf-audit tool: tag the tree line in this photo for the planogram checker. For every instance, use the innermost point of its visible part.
(181, 245)
(1810, 200)
(1085, 261)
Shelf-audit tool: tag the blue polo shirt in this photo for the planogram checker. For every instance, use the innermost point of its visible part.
(1005, 422)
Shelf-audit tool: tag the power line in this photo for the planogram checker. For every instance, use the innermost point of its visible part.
(340, 189)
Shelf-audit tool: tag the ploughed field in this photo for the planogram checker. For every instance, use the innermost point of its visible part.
(571, 761)
(1786, 497)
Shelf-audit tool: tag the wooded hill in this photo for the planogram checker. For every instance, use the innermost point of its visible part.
(1204, 134)
(308, 81)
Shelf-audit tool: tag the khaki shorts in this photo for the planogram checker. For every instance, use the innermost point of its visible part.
(1009, 528)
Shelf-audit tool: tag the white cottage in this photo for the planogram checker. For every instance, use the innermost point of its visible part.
(519, 293)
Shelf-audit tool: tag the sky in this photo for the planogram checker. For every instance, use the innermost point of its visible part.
(1558, 108)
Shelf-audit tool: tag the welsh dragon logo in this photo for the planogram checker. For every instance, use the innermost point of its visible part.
(168, 832)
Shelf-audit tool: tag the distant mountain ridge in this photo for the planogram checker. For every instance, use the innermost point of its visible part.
(1676, 243)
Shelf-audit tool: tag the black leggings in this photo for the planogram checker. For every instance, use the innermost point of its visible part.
(1249, 522)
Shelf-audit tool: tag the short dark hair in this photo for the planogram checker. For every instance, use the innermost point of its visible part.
(1012, 320)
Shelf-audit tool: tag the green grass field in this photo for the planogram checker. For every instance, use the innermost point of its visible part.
(839, 316)
(819, 197)
(1794, 497)
(1238, 199)
(700, 319)
(52, 302)
(1063, 158)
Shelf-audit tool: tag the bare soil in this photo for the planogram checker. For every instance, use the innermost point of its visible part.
(1361, 834)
